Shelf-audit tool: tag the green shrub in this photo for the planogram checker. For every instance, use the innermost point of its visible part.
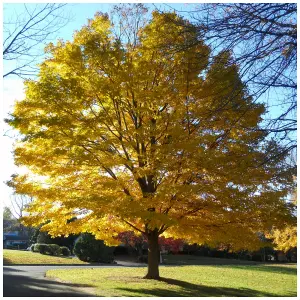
(41, 248)
(64, 251)
(45, 238)
(53, 249)
(88, 249)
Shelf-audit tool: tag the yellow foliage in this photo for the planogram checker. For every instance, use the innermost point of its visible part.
(285, 239)
(146, 136)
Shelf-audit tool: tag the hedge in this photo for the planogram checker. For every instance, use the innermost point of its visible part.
(51, 249)
(64, 251)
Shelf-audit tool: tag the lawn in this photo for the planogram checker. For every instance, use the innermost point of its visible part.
(16, 257)
(192, 281)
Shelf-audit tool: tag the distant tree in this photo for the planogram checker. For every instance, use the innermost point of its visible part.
(10, 223)
(171, 244)
(34, 236)
(19, 203)
(129, 238)
(7, 214)
(18, 206)
(286, 239)
(138, 242)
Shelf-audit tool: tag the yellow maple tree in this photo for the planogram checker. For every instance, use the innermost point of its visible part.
(285, 239)
(140, 135)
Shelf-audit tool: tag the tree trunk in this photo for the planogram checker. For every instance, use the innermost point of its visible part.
(153, 256)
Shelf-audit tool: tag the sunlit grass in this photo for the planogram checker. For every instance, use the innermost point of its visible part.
(192, 281)
(16, 257)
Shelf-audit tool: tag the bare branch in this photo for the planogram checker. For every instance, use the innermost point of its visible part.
(263, 39)
(22, 36)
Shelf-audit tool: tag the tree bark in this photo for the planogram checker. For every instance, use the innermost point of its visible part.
(153, 256)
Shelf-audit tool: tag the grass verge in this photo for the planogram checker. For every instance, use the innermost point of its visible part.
(17, 257)
(191, 281)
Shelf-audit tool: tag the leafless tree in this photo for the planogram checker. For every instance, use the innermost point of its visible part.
(18, 204)
(25, 32)
(263, 40)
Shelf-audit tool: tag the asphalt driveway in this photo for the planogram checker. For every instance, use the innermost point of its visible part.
(30, 281)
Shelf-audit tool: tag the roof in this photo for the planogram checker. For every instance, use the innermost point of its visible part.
(11, 237)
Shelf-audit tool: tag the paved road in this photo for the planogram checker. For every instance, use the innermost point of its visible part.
(30, 281)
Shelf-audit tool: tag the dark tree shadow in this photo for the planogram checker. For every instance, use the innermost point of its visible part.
(262, 268)
(195, 290)
(26, 286)
(6, 261)
(232, 263)
(204, 261)
(56, 265)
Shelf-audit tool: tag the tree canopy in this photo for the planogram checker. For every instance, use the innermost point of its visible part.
(122, 135)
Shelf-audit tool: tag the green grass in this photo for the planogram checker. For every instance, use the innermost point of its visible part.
(191, 281)
(16, 257)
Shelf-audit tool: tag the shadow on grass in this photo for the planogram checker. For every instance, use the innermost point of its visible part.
(6, 261)
(57, 265)
(15, 285)
(193, 290)
(184, 260)
(265, 268)
(203, 260)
